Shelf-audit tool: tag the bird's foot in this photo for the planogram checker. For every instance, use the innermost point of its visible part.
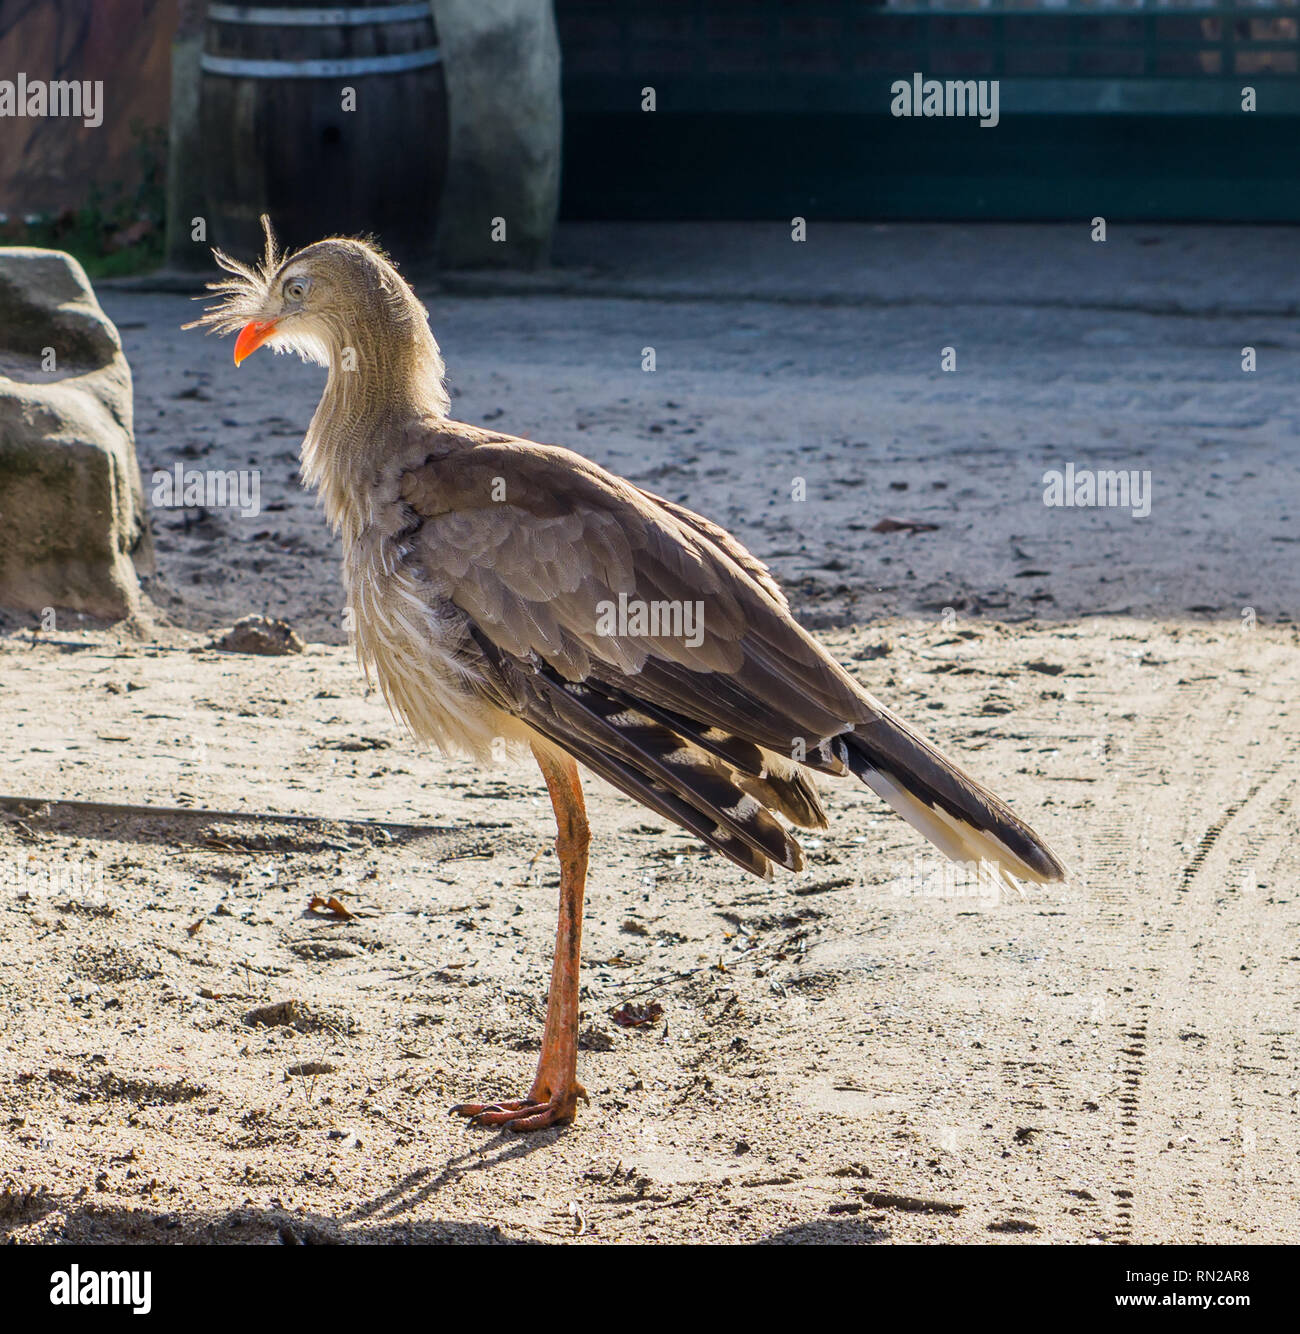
(531, 1113)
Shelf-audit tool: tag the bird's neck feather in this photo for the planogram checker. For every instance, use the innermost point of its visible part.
(385, 369)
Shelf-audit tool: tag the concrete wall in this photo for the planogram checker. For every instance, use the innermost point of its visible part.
(502, 61)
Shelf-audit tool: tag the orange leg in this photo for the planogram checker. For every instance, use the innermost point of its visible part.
(553, 1099)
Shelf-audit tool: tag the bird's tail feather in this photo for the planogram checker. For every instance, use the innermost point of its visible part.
(964, 820)
(776, 782)
(649, 761)
(724, 788)
(659, 799)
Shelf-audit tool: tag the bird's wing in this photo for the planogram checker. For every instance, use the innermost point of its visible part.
(552, 557)
(727, 544)
(553, 560)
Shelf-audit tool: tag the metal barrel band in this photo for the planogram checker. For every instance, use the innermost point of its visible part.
(342, 17)
(240, 68)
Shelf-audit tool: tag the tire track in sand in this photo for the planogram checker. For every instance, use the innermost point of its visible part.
(1203, 1119)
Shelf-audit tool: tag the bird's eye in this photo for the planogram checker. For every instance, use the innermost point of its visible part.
(295, 289)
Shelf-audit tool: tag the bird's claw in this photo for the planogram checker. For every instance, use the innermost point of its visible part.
(524, 1113)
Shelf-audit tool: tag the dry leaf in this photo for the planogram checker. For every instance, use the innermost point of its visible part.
(629, 1015)
(904, 526)
(330, 905)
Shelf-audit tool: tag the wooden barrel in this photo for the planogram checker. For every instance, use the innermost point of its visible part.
(331, 119)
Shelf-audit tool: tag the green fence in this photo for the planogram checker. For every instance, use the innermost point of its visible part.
(768, 108)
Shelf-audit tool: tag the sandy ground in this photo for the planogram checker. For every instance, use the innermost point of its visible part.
(189, 1053)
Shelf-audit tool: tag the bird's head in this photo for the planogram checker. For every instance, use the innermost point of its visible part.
(321, 301)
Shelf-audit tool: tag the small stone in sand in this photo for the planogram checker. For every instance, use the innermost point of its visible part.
(260, 634)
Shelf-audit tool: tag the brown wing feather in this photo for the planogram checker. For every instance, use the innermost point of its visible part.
(724, 541)
(509, 525)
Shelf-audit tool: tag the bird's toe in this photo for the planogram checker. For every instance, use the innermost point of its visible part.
(524, 1113)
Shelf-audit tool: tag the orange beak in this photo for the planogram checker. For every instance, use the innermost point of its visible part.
(251, 337)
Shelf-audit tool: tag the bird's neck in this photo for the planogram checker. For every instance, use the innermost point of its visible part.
(383, 373)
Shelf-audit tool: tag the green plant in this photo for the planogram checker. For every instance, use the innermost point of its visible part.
(119, 229)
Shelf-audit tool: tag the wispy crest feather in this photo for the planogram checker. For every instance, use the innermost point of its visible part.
(243, 296)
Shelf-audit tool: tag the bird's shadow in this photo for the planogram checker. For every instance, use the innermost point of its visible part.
(87, 1223)
(108, 1225)
(186, 829)
(378, 1220)
(424, 1183)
